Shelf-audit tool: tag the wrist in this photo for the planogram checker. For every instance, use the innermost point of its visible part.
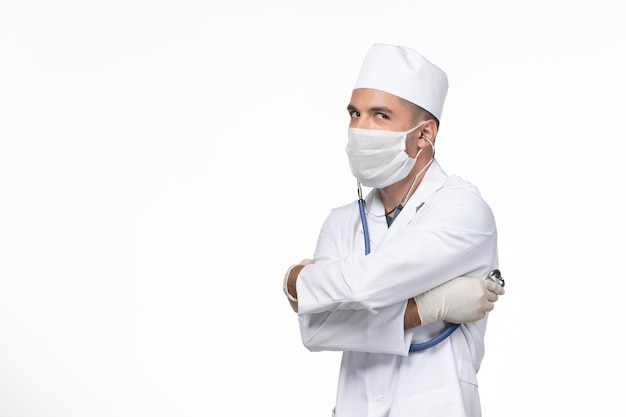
(289, 283)
(292, 277)
(411, 315)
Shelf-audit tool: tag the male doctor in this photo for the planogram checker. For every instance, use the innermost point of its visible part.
(432, 242)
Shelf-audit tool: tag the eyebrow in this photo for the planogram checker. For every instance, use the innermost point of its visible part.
(378, 109)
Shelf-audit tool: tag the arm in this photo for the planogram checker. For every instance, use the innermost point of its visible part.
(411, 314)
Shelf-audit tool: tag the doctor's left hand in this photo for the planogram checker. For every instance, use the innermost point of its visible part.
(460, 300)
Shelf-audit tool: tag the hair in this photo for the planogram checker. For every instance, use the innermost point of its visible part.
(420, 114)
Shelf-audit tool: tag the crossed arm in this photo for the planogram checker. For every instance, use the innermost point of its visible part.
(467, 299)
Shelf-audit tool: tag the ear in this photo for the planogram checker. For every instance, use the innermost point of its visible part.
(429, 129)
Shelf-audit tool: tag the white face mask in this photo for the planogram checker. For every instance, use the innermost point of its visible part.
(378, 157)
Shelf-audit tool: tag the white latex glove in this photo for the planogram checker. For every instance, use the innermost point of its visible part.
(461, 300)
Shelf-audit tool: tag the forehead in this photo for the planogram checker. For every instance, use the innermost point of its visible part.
(367, 98)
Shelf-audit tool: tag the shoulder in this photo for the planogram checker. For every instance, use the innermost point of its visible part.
(460, 199)
(344, 212)
(455, 183)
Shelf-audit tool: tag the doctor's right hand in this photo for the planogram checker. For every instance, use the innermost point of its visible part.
(461, 300)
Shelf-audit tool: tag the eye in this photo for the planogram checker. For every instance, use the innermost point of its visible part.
(382, 116)
(355, 114)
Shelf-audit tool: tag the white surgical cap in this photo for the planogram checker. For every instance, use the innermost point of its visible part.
(404, 73)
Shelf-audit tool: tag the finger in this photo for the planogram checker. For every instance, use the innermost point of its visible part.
(495, 288)
(499, 289)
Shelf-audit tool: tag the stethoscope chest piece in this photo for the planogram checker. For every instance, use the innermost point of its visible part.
(496, 277)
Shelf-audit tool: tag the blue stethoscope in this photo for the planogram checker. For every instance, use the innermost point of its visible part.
(493, 275)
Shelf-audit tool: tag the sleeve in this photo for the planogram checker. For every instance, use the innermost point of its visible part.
(380, 331)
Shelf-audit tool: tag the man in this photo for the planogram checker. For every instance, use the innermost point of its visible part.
(421, 230)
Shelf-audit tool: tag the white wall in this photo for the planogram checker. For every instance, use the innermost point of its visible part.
(163, 163)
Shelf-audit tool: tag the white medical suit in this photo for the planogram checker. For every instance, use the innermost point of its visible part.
(354, 303)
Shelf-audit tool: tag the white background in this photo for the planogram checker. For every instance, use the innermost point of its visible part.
(163, 162)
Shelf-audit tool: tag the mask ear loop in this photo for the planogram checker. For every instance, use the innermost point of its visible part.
(430, 161)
